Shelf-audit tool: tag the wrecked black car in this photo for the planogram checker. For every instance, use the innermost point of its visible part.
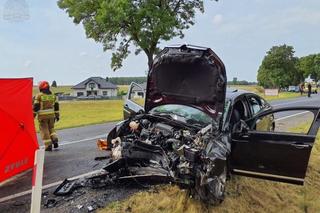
(194, 133)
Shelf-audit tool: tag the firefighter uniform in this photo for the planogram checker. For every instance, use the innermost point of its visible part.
(46, 107)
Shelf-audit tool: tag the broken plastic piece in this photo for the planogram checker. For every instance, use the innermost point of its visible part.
(50, 203)
(101, 158)
(65, 188)
(90, 208)
(102, 144)
(116, 153)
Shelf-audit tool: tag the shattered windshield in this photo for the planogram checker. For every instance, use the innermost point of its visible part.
(190, 115)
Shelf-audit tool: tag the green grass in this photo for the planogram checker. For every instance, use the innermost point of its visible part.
(242, 195)
(80, 113)
(123, 88)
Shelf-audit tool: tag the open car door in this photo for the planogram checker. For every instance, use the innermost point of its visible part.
(134, 102)
(280, 152)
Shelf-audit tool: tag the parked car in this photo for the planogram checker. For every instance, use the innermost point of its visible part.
(193, 132)
(293, 89)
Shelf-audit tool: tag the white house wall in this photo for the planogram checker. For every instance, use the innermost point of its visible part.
(75, 92)
(111, 92)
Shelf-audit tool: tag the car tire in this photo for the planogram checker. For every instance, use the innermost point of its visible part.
(213, 192)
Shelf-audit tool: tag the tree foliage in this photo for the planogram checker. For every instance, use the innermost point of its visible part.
(242, 82)
(119, 23)
(310, 65)
(127, 80)
(279, 68)
(54, 84)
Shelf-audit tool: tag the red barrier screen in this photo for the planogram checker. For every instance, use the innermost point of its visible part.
(18, 140)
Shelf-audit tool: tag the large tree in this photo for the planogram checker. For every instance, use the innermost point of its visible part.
(144, 23)
(279, 68)
(310, 65)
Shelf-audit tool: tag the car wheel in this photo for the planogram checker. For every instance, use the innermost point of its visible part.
(212, 192)
(218, 186)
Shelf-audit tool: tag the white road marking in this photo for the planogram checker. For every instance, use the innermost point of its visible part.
(290, 116)
(10, 197)
(64, 143)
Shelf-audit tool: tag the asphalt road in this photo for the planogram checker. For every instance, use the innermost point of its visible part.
(78, 150)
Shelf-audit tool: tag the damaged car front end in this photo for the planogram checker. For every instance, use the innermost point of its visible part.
(177, 137)
(191, 132)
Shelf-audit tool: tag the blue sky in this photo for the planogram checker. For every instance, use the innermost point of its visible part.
(49, 46)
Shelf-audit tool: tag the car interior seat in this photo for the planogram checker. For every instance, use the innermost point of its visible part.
(235, 119)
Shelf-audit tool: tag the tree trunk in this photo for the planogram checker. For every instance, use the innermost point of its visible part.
(150, 60)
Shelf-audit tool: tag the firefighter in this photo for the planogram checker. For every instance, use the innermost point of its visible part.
(309, 90)
(46, 107)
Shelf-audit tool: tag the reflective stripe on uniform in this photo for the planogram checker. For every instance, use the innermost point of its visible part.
(53, 134)
(48, 98)
(47, 142)
(46, 112)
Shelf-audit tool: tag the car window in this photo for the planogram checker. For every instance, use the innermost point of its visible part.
(191, 115)
(137, 95)
(264, 103)
(241, 107)
(297, 121)
(255, 104)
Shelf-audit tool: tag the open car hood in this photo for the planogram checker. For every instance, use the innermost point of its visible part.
(187, 75)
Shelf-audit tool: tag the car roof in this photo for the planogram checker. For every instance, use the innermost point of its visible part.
(233, 93)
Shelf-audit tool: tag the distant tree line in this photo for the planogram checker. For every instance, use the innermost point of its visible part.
(127, 80)
(243, 82)
(280, 68)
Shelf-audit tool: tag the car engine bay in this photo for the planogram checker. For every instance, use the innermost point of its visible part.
(149, 148)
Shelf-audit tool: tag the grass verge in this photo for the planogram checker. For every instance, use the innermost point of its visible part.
(80, 113)
(242, 195)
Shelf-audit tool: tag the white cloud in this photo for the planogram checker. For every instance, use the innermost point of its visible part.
(27, 63)
(217, 19)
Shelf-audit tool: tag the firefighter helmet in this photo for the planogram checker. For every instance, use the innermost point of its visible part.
(43, 85)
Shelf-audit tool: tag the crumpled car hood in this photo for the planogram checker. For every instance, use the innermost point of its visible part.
(187, 75)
